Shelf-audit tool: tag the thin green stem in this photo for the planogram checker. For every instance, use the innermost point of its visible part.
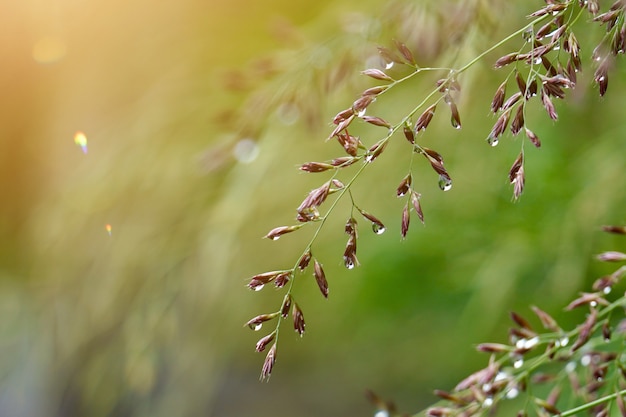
(591, 404)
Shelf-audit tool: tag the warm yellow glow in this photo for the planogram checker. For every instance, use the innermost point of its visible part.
(49, 49)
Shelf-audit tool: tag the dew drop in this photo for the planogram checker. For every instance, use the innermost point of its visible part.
(389, 65)
(381, 413)
(607, 290)
(585, 360)
(601, 79)
(537, 61)
(518, 363)
(258, 326)
(520, 343)
(564, 341)
(570, 367)
(259, 287)
(487, 387)
(378, 229)
(556, 47)
(348, 263)
(488, 402)
(361, 113)
(455, 123)
(512, 393)
(593, 304)
(492, 140)
(246, 151)
(527, 35)
(445, 184)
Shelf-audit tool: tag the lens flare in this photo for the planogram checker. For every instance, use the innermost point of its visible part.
(80, 139)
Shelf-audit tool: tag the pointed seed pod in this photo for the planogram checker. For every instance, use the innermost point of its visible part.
(284, 309)
(498, 98)
(534, 139)
(415, 201)
(268, 364)
(264, 341)
(320, 277)
(405, 186)
(256, 322)
(424, 120)
(277, 232)
(304, 260)
(406, 218)
(376, 74)
(298, 319)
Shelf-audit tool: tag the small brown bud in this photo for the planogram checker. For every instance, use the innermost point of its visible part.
(415, 200)
(517, 177)
(258, 281)
(376, 121)
(585, 330)
(255, 323)
(284, 309)
(282, 279)
(374, 91)
(493, 348)
(506, 60)
(268, 365)
(298, 319)
(377, 74)
(518, 120)
(377, 226)
(611, 256)
(498, 98)
(263, 342)
(343, 115)
(534, 139)
(320, 277)
(601, 76)
(277, 232)
(375, 151)
(546, 320)
(406, 52)
(349, 256)
(409, 135)
(424, 120)
(362, 102)
(455, 118)
(511, 101)
(586, 298)
(316, 167)
(404, 187)
(304, 260)
(520, 321)
(547, 103)
(620, 230)
(406, 218)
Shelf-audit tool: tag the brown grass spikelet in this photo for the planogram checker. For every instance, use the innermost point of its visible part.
(498, 98)
(268, 364)
(585, 330)
(376, 74)
(546, 320)
(424, 119)
(264, 341)
(405, 52)
(417, 206)
(377, 226)
(316, 167)
(587, 298)
(611, 256)
(518, 121)
(506, 60)
(277, 232)
(621, 230)
(405, 186)
(406, 218)
(298, 319)
(376, 121)
(305, 260)
(320, 278)
(255, 322)
(517, 177)
(534, 139)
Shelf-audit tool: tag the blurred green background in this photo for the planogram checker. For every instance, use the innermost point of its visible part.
(197, 114)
